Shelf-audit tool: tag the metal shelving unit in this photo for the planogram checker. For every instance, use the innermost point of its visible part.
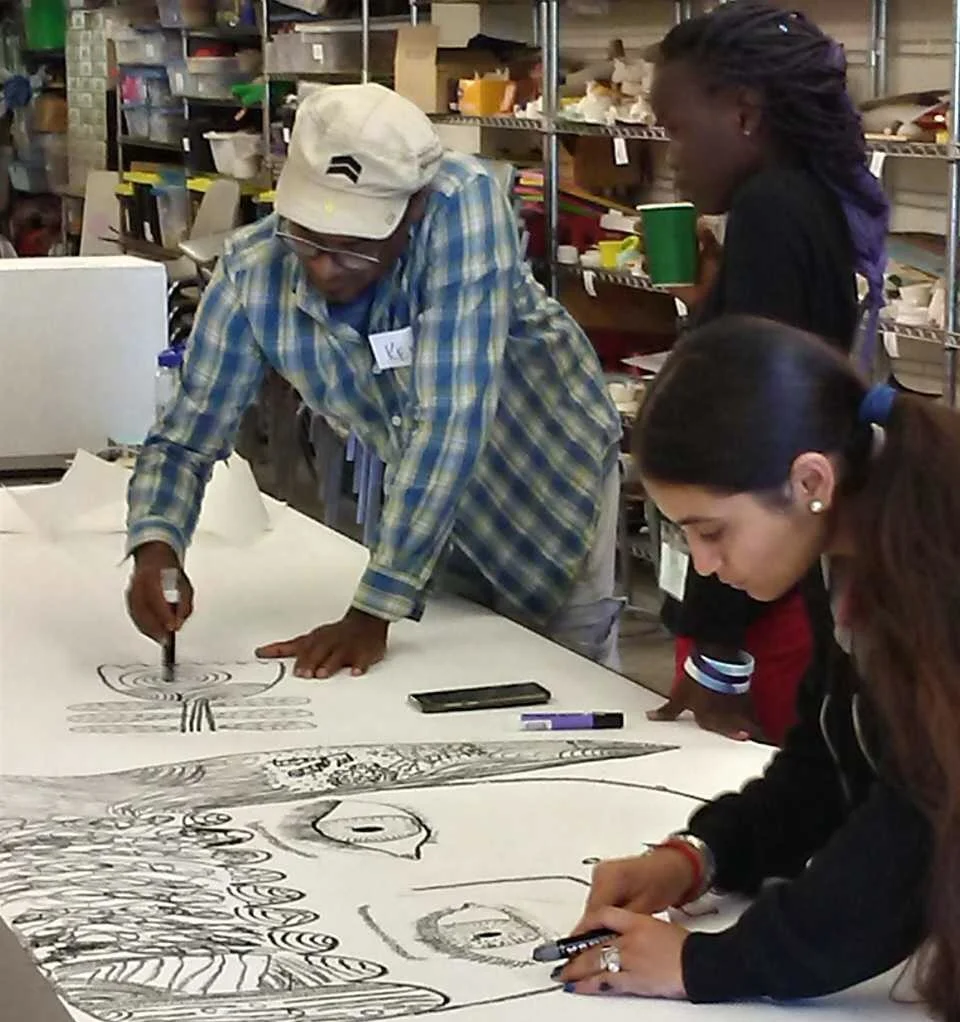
(231, 35)
(365, 23)
(551, 126)
(146, 143)
(621, 278)
(875, 144)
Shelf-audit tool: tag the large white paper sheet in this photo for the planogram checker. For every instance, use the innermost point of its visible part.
(246, 845)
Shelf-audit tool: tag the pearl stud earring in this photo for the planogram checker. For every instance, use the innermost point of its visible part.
(817, 507)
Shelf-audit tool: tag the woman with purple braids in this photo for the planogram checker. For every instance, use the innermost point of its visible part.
(754, 99)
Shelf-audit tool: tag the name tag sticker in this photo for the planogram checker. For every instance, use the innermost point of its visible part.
(393, 349)
(674, 564)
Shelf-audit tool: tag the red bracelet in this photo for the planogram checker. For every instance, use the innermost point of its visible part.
(693, 857)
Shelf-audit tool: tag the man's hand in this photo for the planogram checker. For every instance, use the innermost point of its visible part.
(707, 269)
(145, 602)
(357, 641)
(731, 716)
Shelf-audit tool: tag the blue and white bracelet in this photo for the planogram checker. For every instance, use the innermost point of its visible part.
(722, 676)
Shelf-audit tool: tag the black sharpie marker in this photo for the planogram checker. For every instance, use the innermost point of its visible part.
(170, 583)
(570, 946)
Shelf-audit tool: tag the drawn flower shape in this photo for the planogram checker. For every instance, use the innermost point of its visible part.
(214, 682)
(186, 699)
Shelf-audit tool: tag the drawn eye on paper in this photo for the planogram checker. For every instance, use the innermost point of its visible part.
(361, 825)
(491, 934)
(493, 922)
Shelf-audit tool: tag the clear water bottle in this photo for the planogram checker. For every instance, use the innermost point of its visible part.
(167, 384)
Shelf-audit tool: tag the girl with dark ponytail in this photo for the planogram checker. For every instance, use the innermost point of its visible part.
(772, 455)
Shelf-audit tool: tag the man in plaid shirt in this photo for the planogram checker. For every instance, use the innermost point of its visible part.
(389, 290)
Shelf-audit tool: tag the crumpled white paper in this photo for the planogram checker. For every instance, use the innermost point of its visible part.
(91, 498)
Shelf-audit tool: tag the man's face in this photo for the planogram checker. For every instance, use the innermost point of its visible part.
(340, 268)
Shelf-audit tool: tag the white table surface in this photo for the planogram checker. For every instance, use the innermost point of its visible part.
(62, 615)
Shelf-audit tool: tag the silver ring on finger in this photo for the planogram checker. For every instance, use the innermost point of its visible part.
(610, 958)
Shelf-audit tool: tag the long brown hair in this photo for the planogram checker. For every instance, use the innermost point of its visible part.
(738, 401)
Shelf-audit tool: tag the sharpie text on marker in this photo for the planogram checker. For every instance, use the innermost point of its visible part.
(570, 721)
(570, 946)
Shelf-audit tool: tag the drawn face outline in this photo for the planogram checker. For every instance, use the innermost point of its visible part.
(233, 819)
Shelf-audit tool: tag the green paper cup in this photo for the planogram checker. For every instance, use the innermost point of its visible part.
(670, 242)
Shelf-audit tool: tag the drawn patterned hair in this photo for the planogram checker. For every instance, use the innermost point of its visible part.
(801, 75)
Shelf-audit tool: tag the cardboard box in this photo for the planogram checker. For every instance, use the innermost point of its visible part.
(428, 75)
(484, 97)
(649, 314)
(595, 168)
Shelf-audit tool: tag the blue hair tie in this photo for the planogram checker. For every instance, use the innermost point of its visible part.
(877, 404)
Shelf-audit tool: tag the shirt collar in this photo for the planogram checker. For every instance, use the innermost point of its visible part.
(314, 305)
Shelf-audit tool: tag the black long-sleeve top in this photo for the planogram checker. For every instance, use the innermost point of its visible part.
(829, 817)
(787, 256)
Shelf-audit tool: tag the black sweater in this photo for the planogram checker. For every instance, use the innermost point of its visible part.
(829, 817)
(787, 256)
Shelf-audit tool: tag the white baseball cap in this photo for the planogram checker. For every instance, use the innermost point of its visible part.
(357, 155)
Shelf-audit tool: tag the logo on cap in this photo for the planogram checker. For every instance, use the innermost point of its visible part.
(345, 166)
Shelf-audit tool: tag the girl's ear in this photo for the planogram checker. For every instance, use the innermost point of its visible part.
(813, 481)
(750, 103)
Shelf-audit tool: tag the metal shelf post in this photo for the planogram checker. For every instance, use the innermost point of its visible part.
(879, 21)
(265, 113)
(550, 43)
(953, 225)
(365, 41)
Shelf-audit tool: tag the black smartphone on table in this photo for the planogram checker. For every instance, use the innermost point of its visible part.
(488, 697)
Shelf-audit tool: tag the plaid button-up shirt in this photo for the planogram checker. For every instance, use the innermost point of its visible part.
(496, 439)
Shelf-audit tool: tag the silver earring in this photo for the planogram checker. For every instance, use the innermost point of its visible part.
(817, 507)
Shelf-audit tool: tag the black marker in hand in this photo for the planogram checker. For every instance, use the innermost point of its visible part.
(570, 946)
(170, 583)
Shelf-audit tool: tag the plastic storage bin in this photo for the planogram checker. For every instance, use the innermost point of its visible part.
(204, 86)
(185, 13)
(173, 209)
(166, 125)
(137, 118)
(235, 153)
(145, 85)
(28, 177)
(212, 65)
(337, 46)
(146, 47)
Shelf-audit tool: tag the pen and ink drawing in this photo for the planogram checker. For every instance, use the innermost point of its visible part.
(150, 895)
(491, 922)
(359, 825)
(201, 697)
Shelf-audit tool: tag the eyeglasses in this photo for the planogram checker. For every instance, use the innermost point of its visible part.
(304, 248)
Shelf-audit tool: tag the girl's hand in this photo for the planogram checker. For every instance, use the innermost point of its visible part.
(707, 270)
(651, 954)
(728, 715)
(645, 883)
